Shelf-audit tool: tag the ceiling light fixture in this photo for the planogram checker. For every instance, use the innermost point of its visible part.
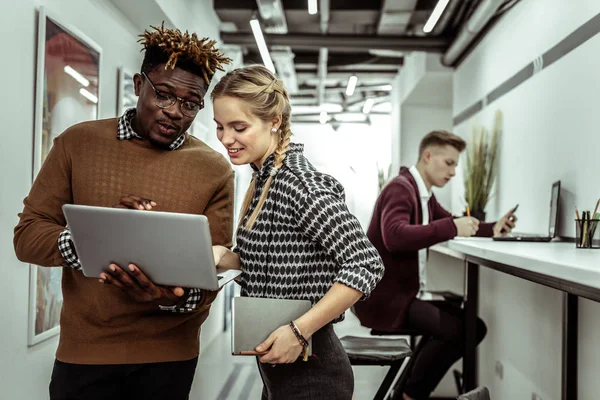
(312, 7)
(368, 105)
(435, 15)
(351, 85)
(262, 45)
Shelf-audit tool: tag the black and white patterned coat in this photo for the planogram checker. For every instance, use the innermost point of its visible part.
(304, 239)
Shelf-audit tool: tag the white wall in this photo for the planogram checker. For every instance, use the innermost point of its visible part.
(25, 372)
(351, 155)
(417, 121)
(396, 122)
(422, 102)
(550, 133)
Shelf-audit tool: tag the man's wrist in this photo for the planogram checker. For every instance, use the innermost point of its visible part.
(167, 308)
(175, 303)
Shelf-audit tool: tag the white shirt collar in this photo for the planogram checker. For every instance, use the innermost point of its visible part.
(423, 192)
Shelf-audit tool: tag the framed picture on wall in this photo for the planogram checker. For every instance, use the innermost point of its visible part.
(126, 97)
(67, 92)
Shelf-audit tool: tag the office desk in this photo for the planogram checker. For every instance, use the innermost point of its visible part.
(559, 265)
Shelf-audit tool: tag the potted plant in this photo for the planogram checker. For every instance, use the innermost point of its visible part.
(482, 166)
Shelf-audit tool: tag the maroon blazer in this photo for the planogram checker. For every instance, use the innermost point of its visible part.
(398, 233)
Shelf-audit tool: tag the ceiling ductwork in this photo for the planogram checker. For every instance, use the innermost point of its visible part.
(272, 16)
(482, 15)
(339, 90)
(273, 21)
(395, 17)
(322, 74)
(343, 43)
(283, 58)
(448, 15)
(323, 52)
(324, 16)
(344, 38)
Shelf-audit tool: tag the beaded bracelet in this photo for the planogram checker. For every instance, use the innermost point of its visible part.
(301, 339)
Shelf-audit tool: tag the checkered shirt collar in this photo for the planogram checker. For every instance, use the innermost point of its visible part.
(125, 130)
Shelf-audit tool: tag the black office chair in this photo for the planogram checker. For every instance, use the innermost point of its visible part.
(378, 352)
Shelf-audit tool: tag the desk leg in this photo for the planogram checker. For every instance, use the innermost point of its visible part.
(569, 347)
(471, 306)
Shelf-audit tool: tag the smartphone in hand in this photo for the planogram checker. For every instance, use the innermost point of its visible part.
(512, 212)
(511, 217)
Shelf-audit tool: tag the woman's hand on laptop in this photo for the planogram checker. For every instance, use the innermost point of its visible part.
(225, 258)
(135, 203)
(140, 288)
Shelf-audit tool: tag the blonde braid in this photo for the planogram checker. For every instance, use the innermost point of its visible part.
(280, 152)
(272, 86)
(247, 200)
(282, 147)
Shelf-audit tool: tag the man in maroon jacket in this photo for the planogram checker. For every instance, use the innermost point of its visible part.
(407, 220)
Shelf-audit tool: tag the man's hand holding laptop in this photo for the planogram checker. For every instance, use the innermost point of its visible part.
(137, 285)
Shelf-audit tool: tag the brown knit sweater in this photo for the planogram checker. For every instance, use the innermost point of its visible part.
(88, 165)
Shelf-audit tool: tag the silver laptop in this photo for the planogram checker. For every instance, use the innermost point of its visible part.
(552, 222)
(254, 319)
(170, 248)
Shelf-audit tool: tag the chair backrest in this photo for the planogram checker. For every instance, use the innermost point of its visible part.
(481, 393)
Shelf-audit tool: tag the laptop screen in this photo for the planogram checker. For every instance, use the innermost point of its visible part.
(554, 209)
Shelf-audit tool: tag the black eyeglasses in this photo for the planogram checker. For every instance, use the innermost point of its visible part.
(165, 100)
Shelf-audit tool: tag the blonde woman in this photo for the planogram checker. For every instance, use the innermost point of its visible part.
(296, 239)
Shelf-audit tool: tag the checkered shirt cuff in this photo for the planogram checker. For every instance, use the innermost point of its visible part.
(67, 250)
(193, 302)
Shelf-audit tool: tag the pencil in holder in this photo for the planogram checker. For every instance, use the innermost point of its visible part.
(586, 233)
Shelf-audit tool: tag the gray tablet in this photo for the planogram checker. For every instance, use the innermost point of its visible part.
(255, 318)
(170, 248)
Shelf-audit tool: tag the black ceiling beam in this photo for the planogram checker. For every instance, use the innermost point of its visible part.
(349, 72)
(338, 5)
(425, 5)
(338, 60)
(343, 43)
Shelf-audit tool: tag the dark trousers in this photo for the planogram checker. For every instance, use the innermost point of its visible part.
(443, 322)
(168, 380)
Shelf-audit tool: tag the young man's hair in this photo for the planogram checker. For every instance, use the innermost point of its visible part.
(173, 48)
(441, 138)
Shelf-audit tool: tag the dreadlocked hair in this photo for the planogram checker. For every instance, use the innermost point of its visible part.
(183, 50)
(266, 98)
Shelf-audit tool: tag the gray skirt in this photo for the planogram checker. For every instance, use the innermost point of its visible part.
(326, 375)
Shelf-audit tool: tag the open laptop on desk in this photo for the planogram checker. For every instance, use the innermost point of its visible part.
(552, 222)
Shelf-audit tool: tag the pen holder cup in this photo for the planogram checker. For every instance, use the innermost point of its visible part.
(586, 233)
